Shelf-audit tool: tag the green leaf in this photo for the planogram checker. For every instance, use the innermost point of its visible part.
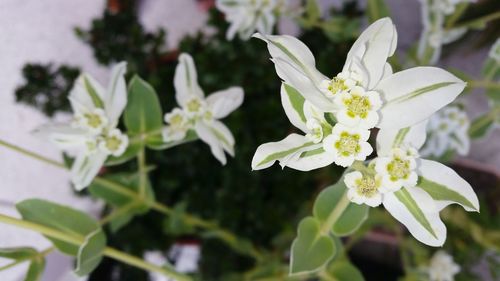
(296, 100)
(405, 197)
(35, 270)
(311, 249)
(377, 9)
(313, 11)
(131, 152)
(174, 224)
(143, 112)
(481, 126)
(117, 223)
(17, 254)
(90, 252)
(343, 270)
(332, 202)
(72, 222)
(122, 189)
(443, 193)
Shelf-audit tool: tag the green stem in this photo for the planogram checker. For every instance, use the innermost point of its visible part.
(456, 15)
(475, 22)
(143, 174)
(109, 252)
(335, 214)
(224, 235)
(118, 212)
(39, 255)
(483, 84)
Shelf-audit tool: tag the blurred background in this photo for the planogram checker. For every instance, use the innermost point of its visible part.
(58, 38)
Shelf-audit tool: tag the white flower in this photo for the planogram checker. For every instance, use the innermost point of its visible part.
(200, 113)
(315, 130)
(247, 16)
(417, 204)
(447, 130)
(358, 108)
(442, 267)
(365, 67)
(347, 145)
(363, 188)
(397, 169)
(495, 51)
(93, 133)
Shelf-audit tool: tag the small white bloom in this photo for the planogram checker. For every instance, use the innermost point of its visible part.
(341, 83)
(397, 169)
(114, 142)
(442, 267)
(347, 145)
(358, 108)
(363, 189)
(495, 51)
(315, 130)
(194, 107)
(94, 120)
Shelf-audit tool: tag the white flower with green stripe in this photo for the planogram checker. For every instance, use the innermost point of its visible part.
(417, 205)
(366, 93)
(199, 113)
(93, 134)
(247, 16)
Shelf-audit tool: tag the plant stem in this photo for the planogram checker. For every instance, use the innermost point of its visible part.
(118, 212)
(228, 237)
(335, 214)
(474, 22)
(109, 252)
(40, 255)
(483, 84)
(143, 174)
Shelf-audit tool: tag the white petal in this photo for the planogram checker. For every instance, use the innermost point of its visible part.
(62, 135)
(208, 136)
(374, 201)
(425, 203)
(224, 135)
(318, 158)
(80, 95)
(415, 94)
(351, 178)
(116, 95)
(445, 176)
(186, 80)
(387, 70)
(224, 102)
(86, 167)
(267, 154)
(293, 104)
(413, 136)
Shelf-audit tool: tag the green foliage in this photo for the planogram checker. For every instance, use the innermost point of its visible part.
(90, 253)
(377, 9)
(22, 254)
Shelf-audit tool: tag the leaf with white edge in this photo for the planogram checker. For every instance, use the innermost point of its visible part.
(333, 205)
(72, 222)
(267, 154)
(342, 271)
(445, 186)
(90, 253)
(310, 158)
(416, 209)
(310, 250)
(419, 90)
(293, 104)
(35, 270)
(413, 136)
(143, 112)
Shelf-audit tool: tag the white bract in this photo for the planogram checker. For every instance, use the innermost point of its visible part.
(199, 113)
(442, 267)
(93, 134)
(247, 16)
(412, 189)
(366, 94)
(447, 130)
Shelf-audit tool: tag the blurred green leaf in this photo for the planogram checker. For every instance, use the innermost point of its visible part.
(90, 253)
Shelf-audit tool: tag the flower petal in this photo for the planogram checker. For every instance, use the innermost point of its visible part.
(310, 158)
(86, 167)
(416, 210)
(116, 95)
(62, 135)
(224, 102)
(186, 80)
(208, 136)
(86, 94)
(419, 90)
(413, 136)
(293, 104)
(268, 153)
(224, 135)
(445, 186)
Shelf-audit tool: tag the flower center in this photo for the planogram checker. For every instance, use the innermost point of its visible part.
(113, 143)
(358, 106)
(93, 120)
(398, 169)
(348, 144)
(176, 120)
(367, 186)
(337, 85)
(194, 105)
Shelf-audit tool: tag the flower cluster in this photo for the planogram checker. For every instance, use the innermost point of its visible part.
(442, 267)
(93, 132)
(337, 115)
(435, 34)
(248, 16)
(447, 130)
(199, 113)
